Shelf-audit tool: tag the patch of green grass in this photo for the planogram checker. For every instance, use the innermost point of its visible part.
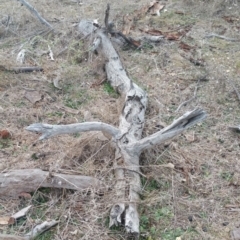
(72, 103)
(164, 212)
(110, 90)
(150, 185)
(5, 143)
(172, 234)
(76, 135)
(205, 170)
(76, 100)
(144, 223)
(20, 104)
(203, 214)
(75, 52)
(48, 235)
(55, 114)
(41, 196)
(227, 176)
(23, 122)
(156, 223)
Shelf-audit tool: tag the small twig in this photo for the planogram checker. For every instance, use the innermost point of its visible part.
(21, 69)
(50, 53)
(212, 35)
(27, 69)
(110, 26)
(174, 203)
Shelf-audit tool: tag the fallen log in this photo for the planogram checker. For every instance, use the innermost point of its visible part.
(15, 182)
(127, 137)
(36, 231)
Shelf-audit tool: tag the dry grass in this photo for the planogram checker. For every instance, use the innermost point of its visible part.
(192, 200)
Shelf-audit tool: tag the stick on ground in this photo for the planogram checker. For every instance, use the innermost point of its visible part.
(35, 13)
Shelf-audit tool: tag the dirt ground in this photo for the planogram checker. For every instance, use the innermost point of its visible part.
(200, 197)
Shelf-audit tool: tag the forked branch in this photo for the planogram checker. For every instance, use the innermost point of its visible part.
(127, 136)
(178, 126)
(49, 130)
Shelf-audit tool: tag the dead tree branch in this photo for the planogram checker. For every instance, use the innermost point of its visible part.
(177, 127)
(214, 35)
(35, 13)
(127, 137)
(36, 231)
(15, 182)
(53, 130)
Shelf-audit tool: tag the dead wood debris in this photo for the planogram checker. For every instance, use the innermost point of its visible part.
(235, 129)
(21, 69)
(36, 13)
(127, 137)
(173, 35)
(36, 231)
(214, 35)
(153, 8)
(15, 182)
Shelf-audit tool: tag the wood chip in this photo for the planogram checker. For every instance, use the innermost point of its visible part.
(56, 82)
(21, 213)
(33, 96)
(4, 220)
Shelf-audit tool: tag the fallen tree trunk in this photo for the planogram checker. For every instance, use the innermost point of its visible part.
(127, 137)
(14, 182)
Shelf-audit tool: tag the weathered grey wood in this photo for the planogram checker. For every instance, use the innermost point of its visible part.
(127, 137)
(177, 127)
(14, 182)
(49, 130)
(235, 129)
(129, 146)
(36, 231)
(131, 125)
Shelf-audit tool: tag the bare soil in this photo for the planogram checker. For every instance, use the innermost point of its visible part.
(199, 198)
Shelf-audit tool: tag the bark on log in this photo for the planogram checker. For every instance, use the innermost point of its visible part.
(15, 182)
